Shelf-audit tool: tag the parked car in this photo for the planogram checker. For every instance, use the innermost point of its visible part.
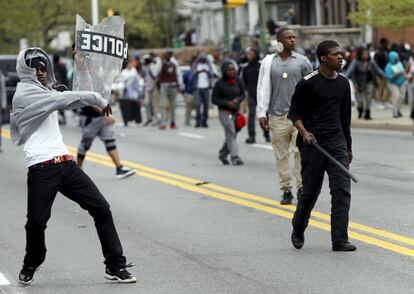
(8, 68)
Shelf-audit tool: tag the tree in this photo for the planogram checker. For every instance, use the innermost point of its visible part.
(149, 23)
(39, 21)
(394, 14)
(164, 15)
(140, 28)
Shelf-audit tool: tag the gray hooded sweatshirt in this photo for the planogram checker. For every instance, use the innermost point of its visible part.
(34, 102)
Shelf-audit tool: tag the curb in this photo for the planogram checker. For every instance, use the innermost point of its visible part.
(382, 126)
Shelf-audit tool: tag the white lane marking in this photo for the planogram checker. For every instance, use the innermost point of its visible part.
(193, 136)
(412, 171)
(262, 146)
(3, 280)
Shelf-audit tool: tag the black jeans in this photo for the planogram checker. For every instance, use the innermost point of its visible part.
(202, 99)
(314, 166)
(43, 182)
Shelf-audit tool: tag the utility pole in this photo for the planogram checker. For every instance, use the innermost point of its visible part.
(226, 22)
(262, 18)
(95, 12)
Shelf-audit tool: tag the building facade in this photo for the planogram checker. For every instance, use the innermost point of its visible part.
(312, 19)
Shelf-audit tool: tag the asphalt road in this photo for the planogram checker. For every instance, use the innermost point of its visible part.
(191, 225)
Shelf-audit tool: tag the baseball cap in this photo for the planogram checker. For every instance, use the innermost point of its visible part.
(35, 59)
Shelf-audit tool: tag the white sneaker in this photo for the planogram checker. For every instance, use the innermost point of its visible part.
(381, 107)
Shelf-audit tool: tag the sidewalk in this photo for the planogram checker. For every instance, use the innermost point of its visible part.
(383, 120)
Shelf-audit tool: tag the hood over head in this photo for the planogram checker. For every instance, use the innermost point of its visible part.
(28, 60)
(392, 57)
(224, 67)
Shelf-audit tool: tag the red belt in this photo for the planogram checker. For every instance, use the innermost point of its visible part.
(58, 159)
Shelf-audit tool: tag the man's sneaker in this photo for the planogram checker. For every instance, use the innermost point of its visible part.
(26, 275)
(172, 125)
(344, 246)
(287, 198)
(120, 275)
(298, 239)
(250, 140)
(123, 172)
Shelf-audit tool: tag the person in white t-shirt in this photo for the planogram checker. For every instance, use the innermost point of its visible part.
(202, 75)
(34, 123)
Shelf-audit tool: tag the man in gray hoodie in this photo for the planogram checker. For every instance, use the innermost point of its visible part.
(34, 123)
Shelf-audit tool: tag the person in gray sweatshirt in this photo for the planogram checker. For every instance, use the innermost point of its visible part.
(34, 123)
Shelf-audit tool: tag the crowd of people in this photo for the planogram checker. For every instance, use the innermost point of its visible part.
(248, 81)
(381, 77)
(384, 74)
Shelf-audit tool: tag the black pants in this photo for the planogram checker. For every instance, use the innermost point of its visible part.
(251, 120)
(314, 166)
(43, 182)
(130, 110)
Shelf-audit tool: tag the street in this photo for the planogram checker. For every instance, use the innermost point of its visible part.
(191, 225)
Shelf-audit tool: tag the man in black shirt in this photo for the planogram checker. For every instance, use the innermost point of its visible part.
(250, 77)
(321, 111)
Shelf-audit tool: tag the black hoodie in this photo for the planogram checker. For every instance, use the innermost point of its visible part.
(224, 91)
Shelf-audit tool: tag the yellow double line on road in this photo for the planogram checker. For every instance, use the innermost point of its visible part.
(380, 238)
(367, 234)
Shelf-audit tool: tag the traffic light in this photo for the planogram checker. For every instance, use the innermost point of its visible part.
(234, 3)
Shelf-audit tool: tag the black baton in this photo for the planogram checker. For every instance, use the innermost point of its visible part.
(334, 161)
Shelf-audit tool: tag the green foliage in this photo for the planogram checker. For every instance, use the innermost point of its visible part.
(393, 14)
(39, 21)
(138, 27)
(149, 23)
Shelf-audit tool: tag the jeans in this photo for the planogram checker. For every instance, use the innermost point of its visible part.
(168, 92)
(151, 103)
(364, 97)
(202, 99)
(43, 183)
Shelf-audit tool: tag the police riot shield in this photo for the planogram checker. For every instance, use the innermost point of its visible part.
(100, 51)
